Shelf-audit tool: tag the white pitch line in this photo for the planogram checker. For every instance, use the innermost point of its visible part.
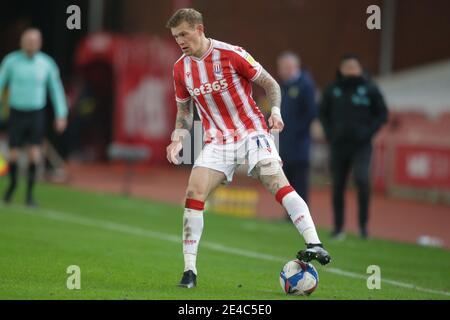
(392, 282)
(118, 227)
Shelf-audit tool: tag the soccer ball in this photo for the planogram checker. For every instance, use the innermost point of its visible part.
(299, 278)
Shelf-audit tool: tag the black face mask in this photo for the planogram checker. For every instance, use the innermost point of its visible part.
(352, 80)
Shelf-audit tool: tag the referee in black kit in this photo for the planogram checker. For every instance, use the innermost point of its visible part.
(28, 72)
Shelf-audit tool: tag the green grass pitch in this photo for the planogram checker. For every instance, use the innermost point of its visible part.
(131, 249)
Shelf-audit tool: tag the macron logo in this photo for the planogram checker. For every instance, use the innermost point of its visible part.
(299, 219)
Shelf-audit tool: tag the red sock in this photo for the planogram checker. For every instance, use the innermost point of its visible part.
(282, 193)
(194, 204)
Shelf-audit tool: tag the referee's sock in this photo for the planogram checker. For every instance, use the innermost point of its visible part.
(12, 181)
(30, 183)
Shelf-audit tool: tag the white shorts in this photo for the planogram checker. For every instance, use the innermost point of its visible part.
(226, 158)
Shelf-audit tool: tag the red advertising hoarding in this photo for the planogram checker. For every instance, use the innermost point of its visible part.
(144, 105)
(422, 166)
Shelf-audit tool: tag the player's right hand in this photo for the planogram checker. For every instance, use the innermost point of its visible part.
(173, 150)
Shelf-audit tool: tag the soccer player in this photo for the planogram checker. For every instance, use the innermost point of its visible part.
(29, 72)
(217, 77)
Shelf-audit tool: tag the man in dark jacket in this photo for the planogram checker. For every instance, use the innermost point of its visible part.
(298, 109)
(352, 110)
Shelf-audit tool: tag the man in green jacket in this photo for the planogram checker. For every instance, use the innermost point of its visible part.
(352, 110)
(28, 73)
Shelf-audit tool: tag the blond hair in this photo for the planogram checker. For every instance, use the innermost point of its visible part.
(191, 16)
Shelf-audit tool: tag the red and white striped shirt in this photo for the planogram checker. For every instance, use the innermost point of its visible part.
(219, 83)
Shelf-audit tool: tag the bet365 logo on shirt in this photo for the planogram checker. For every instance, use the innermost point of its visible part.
(207, 88)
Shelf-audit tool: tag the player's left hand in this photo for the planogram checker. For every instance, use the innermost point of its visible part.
(60, 125)
(276, 124)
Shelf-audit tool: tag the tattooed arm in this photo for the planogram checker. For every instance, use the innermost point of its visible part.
(273, 93)
(184, 119)
(183, 124)
(272, 88)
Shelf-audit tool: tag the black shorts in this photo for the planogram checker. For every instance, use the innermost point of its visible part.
(26, 127)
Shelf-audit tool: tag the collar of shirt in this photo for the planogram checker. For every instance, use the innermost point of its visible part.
(211, 45)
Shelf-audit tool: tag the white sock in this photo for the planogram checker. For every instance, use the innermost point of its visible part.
(299, 213)
(192, 232)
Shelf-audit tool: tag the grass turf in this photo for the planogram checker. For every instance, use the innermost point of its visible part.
(130, 249)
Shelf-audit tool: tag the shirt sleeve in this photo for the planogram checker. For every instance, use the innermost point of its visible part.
(57, 91)
(245, 64)
(4, 75)
(181, 92)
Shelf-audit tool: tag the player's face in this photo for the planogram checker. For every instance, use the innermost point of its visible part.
(188, 37)
(350, 68)
(288, 68)
(31, 42)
